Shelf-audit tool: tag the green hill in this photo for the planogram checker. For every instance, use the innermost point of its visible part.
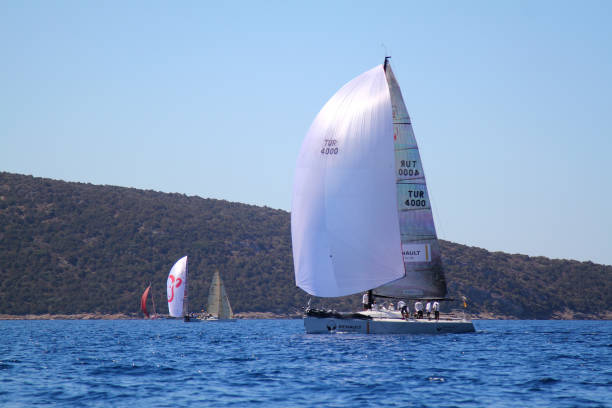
(79, 248)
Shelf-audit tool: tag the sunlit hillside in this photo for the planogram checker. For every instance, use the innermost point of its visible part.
(76, 248)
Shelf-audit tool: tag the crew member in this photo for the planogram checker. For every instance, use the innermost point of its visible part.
(401, 305)
(436, 309)
(418, 307)
(428, 309)
(366, 301)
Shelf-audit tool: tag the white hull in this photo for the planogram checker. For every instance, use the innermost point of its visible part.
(220, 320)
(314, 325)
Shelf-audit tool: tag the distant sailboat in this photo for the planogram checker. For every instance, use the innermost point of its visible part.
(177, 285)
(218, 303)
(361, 217)
(143, 304)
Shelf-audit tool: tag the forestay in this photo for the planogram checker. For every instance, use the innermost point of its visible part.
(177, 281)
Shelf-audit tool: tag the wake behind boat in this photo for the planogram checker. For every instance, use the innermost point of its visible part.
(361, 217)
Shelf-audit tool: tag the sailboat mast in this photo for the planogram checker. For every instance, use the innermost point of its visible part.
(386, 62)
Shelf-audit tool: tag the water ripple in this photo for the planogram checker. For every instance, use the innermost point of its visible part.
(167, 363)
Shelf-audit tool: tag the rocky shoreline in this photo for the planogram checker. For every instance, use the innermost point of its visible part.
(78, 316)
(262, 315)
(123, 316)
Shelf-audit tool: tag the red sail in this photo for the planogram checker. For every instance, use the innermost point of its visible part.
(143, 301)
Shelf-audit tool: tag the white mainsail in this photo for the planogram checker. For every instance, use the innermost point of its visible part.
(420, 248)
(360, 215)
(176, 285)
(218, 302)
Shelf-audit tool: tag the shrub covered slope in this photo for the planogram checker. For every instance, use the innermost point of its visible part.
(76, 248)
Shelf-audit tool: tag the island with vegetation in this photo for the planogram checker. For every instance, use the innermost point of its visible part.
(78, 249)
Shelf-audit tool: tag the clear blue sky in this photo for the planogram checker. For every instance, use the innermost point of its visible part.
(511, 103)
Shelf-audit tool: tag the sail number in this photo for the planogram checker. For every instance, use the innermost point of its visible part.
(416, 203)
(330, 147)
(416, 199)
(408, 172)
(408, 168)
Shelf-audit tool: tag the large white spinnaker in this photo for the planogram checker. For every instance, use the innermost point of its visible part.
(177, 281)
(344, 217)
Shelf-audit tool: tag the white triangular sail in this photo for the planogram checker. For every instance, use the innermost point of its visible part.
(361, 216)
(218, 302)
(176, 285)
(344, 217)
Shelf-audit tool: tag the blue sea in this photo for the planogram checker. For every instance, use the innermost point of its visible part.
(168, 363)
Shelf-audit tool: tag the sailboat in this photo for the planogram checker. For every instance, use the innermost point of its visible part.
(177, 286)
(143, 304)
(218, 307)
(361, 218)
